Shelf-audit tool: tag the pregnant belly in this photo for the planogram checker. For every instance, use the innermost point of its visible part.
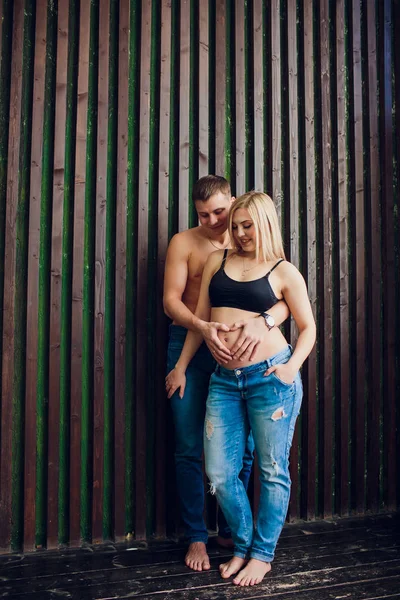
(273, 341)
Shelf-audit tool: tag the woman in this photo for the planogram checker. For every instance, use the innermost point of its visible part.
(263, 394)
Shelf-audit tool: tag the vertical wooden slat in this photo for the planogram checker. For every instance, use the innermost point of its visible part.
(238, 115)
(267, 99)
(120, 273)
(293, 251)
(142, 271)
(70, 385)
(310, 274)
(248, 26)
(9, 274)
(131, 264)
(39, 42)
(390, 455)
(343, 430)
(358, 476)
(193, 172)
(110, 265)
(21, 276)
(77, 282)
(154, 292)
(46, 211)
(100, 253)
(184, 115)
(276, 157)
(203, 89)
(258, 96)
(161, 475)
(220, 87)
(56, 265)
(327, 400)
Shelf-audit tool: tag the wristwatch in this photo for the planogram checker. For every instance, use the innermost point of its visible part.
(269, 320)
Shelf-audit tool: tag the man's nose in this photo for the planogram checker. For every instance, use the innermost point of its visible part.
(213, 219)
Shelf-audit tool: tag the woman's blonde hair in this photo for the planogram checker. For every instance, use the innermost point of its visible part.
(264, 216)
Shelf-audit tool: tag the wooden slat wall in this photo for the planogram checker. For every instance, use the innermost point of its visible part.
(109, 111)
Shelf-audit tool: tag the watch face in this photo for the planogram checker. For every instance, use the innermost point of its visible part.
(270, 320)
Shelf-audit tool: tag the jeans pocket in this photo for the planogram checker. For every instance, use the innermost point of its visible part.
(287, 385)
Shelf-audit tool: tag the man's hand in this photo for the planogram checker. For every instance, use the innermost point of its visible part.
(176, 379)
(285, 372)
(253, 332)
(210, 334)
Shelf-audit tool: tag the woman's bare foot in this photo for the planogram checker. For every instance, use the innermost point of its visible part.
(225, 542)
(253, 573)
(196, 557)
(232, 567)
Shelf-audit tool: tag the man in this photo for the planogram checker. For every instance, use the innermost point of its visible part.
(187, 254)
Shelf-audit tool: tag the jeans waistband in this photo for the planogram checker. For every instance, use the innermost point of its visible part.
(177, 332)
(277, 358)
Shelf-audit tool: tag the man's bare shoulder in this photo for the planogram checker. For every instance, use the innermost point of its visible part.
(187, 241)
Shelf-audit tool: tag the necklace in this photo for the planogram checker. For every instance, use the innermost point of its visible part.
(244, 270)
(218, 247)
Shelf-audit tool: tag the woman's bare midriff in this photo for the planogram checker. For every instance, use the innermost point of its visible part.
(273, 342)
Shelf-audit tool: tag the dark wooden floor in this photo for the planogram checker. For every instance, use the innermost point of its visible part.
(345, 559)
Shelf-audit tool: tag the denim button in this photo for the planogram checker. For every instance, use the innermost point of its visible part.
(238, 372)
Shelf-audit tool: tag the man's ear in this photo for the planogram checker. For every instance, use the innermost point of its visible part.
(233, 199)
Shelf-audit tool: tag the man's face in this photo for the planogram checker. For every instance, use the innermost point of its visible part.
(213, 213)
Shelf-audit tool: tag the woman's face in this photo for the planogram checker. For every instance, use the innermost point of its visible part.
(243, 230)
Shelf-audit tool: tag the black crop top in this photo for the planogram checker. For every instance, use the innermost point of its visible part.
(255, 296)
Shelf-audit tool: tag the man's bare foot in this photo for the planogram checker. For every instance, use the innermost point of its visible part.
(253, 573)
(225, 542)
(197, 557)
(232, 567)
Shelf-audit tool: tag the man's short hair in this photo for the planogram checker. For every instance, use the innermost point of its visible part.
(207, 186)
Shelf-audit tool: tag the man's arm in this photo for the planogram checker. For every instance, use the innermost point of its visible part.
(175, 280)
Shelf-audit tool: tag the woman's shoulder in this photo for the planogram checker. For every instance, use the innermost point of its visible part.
(289, 272)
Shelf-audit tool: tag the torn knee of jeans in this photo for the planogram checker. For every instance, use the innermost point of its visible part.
(212, 489)
(209, 429)
(275, 465)
(278, 414)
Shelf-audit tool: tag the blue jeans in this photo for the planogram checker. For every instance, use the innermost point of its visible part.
(240, 400)
(188, 415)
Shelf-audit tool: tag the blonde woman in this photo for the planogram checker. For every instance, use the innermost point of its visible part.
(262, 394)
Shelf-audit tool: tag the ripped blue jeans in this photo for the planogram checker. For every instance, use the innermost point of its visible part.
(240, 400)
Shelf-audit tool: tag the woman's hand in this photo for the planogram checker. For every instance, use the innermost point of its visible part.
(285, 372)
(176, 379)
(209, 331)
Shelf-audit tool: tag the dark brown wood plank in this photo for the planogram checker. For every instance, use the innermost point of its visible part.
(309, 415)
(220, 89)
(55, 291)
(33, 278)
(9, 278)
(120, 275)
(77, 279)
(326, 251)
(203, 88)
(142, 278)
(343, 283)
(161, 473)
(240, 116)
(276, 107)
(184, 116)
(390, 394)
(374, 288)
(293, 252)
(258, 95)
(358, 476)
(99, 286)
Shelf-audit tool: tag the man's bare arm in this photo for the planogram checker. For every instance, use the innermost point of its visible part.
(175, 281)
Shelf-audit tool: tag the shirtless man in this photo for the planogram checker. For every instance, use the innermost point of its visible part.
(187, 254)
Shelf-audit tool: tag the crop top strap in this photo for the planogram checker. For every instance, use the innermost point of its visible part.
(274, 267)
(224, 258)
